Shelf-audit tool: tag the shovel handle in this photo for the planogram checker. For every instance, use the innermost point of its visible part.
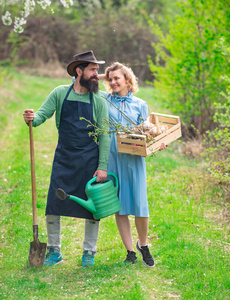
(33, 181)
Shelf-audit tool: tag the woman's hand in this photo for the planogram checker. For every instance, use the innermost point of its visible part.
(28, 115)
(163, 146)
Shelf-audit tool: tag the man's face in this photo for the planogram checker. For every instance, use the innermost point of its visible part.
(89, 78)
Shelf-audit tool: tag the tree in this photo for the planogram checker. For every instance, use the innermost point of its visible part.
(190, 79)
(16, 12)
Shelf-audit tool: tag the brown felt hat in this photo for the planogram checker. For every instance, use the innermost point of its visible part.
(82, 58)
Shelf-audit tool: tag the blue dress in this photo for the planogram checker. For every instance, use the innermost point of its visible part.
(130, 169)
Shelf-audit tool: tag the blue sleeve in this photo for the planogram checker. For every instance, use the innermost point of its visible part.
(143, 112)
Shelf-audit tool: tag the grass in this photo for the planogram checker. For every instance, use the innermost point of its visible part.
(188, 228)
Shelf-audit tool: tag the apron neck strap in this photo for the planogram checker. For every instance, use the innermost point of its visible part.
(66, 96)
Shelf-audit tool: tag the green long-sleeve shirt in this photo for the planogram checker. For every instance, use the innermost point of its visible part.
(53, 103)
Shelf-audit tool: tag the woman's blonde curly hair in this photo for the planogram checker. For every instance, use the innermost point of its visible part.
(132, 82)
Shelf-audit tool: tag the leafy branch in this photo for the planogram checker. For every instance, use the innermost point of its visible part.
(110, 126)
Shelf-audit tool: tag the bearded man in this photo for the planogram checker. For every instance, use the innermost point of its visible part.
(78, 157)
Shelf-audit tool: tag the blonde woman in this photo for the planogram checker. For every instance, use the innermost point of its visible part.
(121, 84)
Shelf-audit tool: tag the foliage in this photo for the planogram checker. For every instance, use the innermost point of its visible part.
(118, 37)
(188, 225)
(116, 30)
(22, 9)
(45, 39)
(157, 11)
(190, 80)
(218, 140)
(108, 126)
(15, 12)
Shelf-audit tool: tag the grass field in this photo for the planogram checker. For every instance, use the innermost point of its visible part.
(188, 230)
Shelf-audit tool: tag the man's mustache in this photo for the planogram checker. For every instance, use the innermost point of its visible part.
(94, 77)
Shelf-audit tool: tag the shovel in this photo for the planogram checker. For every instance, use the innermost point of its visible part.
(37, 249)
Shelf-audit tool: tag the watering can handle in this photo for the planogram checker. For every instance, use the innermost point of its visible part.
(115, 177)
(109, 173)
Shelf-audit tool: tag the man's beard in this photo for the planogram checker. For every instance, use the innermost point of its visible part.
(90, 84)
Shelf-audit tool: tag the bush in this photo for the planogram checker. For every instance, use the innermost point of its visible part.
(218, 144)
(218, 140)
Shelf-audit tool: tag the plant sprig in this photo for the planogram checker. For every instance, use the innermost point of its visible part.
(110, 126)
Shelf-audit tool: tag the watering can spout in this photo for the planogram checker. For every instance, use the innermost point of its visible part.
(89, 205)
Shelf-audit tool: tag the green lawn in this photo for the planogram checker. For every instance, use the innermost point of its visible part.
(188, 230)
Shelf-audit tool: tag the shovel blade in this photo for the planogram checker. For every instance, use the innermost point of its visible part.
(37, 254)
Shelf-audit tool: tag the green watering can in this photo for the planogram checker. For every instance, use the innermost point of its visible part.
(102, 197)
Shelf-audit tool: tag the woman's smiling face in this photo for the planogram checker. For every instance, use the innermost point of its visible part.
(118, 83)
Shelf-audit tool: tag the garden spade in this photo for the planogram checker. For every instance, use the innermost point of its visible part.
(37, 249)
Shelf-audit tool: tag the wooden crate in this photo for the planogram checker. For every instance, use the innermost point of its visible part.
(137, 144)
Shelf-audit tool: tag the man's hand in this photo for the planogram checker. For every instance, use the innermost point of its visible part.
(101, 76)
(101, 175)
(28, 115)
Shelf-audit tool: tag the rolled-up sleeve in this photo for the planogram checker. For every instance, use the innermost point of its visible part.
(101, 118)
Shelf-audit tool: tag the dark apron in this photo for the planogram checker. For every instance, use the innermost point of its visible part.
(75, 159)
